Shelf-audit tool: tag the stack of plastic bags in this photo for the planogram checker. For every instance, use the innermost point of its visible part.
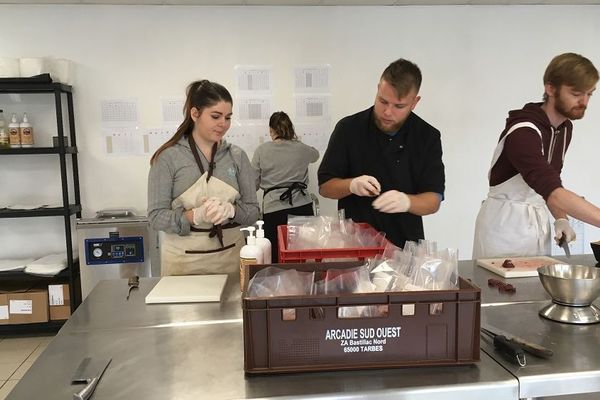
(416, 267)
(323, 232)
(49, 265)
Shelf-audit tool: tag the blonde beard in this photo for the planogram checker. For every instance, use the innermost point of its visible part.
(395, 128)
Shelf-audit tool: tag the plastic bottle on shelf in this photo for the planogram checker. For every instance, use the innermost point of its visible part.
(263, 242)
(4, 142)
(14, 136)
(26, 132)
(249, 254)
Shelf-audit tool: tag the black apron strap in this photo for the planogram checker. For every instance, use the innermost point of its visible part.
(288, 194)
(211, 162)
(216, 230)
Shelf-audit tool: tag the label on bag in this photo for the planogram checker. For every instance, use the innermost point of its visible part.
(3, 312)
(21, 306)
(55, 295)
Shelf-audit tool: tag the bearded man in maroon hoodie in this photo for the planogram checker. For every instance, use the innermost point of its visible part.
(525, 177)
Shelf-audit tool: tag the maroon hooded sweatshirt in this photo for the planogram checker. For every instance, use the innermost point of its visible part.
(522, 153)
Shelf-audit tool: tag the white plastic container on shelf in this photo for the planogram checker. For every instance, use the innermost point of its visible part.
(9, 67)
(61, 70)
(4, 142)
(14, 135)
(249, 254)
(263, 242)
(32, 66)
(26, 132)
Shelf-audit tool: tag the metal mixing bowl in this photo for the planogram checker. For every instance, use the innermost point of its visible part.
(596, 249)
(572, 285)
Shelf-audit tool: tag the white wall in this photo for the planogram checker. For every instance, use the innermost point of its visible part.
(478, 62)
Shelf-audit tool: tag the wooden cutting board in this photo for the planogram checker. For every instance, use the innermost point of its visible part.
(187, 289)
(524, 266)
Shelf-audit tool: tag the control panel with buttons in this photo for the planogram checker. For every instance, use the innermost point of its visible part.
(114, 250)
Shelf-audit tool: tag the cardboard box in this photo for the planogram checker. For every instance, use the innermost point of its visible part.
(27, 305)
(4, 316)
(59, 301)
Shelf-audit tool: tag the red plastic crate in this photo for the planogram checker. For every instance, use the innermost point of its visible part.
(303, 255)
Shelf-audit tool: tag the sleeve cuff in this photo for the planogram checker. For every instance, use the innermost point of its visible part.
(184, 224)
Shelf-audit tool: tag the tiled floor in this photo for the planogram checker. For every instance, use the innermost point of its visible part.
(17, 354)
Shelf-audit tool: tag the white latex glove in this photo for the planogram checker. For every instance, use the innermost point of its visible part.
(204, 213)
(365, 185)
(200, 214)
(211, 203)
(392, 201)
(217, 213)
(562, 226)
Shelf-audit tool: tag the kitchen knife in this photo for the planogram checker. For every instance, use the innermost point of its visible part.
(532, 348)
(512, 351)
(563, 243)
(89, 371)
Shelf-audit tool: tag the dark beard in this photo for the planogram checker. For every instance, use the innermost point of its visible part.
(572, 113)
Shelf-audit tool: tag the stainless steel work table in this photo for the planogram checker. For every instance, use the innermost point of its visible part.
(193, 351)
(575, 366)
(107, 308)
(181, 351)
(528, 289)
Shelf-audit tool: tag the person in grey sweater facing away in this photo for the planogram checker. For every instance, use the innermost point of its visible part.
(282, 167)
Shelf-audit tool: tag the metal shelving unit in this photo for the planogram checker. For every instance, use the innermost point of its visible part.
(70, 206)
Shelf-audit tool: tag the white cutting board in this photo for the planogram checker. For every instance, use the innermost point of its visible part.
(524, 266)
(187, 289)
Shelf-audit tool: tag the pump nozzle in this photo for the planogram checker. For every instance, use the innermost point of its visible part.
(260, 233)
(250, 239)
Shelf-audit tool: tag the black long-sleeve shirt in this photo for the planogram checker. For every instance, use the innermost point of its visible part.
(410, 162)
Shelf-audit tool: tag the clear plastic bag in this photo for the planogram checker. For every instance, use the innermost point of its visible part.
(273, 281)
(419, 266)
(353, 280)
(322, 232)
(433, 270)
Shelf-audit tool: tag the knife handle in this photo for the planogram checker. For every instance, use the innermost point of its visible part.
(510, 349)
(86, 392)
(532, 348)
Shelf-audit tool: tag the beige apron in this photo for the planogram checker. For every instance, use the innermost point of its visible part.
(202, 252)
(513, 220)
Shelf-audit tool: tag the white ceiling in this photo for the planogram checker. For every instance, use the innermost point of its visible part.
(308, 2)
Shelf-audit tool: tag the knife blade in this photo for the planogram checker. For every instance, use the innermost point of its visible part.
(563, 243)
(528, 346)
(89, 371)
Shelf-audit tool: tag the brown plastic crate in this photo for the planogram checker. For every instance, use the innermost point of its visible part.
(302, 255)
(318, 340)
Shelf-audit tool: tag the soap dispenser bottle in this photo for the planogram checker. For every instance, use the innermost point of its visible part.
(249, 254)
(263, 242)
(4, 141)
(26, 131)
(14, 137)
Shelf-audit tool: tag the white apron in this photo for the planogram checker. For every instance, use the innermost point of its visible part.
(513, 220)
(199, 253)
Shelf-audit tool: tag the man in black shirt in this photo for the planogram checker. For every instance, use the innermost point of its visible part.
(384, 164)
